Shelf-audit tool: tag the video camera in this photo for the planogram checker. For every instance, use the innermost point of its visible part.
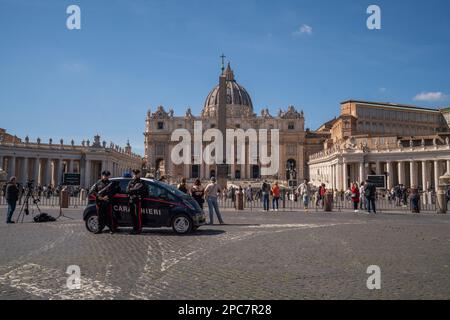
(30, 183)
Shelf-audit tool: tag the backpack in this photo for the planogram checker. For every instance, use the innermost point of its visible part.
(44, 217)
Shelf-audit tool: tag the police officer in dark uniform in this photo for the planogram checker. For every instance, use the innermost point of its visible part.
(104, 190)
(137, 191)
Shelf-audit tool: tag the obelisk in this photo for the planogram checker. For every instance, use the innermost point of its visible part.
(222, 169)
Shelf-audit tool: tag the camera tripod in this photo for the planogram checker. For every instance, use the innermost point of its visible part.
(25, 209)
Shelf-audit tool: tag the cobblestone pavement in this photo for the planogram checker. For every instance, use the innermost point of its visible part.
(257, 256)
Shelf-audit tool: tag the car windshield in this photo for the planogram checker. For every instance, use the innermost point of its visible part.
(172, 189)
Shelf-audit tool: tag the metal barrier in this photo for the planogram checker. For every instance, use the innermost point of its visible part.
(287, 202)
(52, 201)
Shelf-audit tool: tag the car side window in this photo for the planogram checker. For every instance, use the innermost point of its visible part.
(158, 192)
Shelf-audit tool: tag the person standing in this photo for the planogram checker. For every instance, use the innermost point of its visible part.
(197, 192)
(265, 191)
(137, 191)
(362, 200)
(182, 186)
(249, 193)
(275, 196)
(322, 192)
(104, 190)
(355, 196)
(303, 191)
(370, 194)
(211, 192)
(11, 195)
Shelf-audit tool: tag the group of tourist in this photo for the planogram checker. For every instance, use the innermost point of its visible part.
(210, 193)
(364, 196)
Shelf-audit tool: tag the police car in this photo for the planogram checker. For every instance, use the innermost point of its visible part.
(165, 206)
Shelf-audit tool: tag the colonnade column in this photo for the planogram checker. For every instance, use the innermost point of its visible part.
(362, 175)
(339, 177)
(344, 177)
(48, 172)
(36, 169)
(425, 178)
(379, 170)
(88, 174)
(24, 174)
(390, 176)
(59, 174)
(436, 174)
(12, 166)
(413, 174)
(332, 177)
(401, 172)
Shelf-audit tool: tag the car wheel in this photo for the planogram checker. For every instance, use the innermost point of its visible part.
(182, 224)
(92, 223)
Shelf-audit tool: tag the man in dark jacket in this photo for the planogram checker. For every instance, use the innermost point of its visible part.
(370, 193)
(11, 195)
(137, 191)
(104, 190)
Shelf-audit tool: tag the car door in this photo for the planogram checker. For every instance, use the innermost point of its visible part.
(121, 205)
(157, 206)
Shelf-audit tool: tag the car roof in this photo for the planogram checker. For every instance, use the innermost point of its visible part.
(129, 178)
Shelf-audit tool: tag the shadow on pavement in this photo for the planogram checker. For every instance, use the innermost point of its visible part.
(168, 232)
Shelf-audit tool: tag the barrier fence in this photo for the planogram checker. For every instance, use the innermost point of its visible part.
(287, 202)
(52, 201)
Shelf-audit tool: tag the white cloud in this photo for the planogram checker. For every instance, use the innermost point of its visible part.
(431, 97)
(304, 29)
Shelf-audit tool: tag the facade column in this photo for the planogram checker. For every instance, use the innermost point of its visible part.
(186, 171)
(2, 163)
(88, 174)
(345, 176)
(332, 176)
(24, 174)
(425, 177)
(362, 171)
(401, 172)
(413, 174)
(70, 169)
(12, 167)
(48, 172)
(379, 171)
(390, 176)
(35, 173)
(448, 166)
(339, 177)
(436, 174)
(59, 173)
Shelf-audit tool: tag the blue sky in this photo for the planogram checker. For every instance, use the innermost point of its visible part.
(134, 54)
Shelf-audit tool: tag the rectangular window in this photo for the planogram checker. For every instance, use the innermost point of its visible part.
(291, 126)
(160, 125)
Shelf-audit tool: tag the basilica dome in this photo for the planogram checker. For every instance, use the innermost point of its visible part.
(239, 103)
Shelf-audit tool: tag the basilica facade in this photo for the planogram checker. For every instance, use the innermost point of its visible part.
(296, 143)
